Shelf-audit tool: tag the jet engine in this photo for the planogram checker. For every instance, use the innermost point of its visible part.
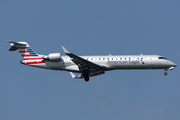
(53, 57)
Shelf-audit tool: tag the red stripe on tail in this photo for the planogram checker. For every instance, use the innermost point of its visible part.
(21, 47)
(32, 58)
(23, 52)
(27, 55)
(35, 62)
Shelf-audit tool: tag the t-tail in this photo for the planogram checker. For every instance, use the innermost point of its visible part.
(30, 57)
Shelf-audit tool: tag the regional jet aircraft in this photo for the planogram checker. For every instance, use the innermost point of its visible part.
(89, 66)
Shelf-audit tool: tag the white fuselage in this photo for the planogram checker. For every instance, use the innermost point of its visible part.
(111, 62)
(89, 66)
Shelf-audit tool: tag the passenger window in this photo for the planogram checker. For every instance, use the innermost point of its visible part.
(99, 58)
(91, 58)
(112, 58)
(103, 58)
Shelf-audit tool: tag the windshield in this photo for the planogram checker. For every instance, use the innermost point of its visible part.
(162, 58)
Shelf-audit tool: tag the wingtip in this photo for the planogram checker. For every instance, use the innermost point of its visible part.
(65, 50)
(72, 75)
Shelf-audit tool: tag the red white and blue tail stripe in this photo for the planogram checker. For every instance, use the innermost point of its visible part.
(29, 55)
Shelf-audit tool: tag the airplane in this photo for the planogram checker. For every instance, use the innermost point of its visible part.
(89, 66)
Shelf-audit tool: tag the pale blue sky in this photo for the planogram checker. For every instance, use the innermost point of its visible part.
(95, 27)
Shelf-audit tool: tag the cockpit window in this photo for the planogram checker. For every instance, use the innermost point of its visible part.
(162, 58)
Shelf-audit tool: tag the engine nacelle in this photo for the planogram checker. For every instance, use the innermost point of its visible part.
(53, 57)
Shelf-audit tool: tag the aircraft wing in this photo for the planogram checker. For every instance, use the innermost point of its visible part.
(81, 62)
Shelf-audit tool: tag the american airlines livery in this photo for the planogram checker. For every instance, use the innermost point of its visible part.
(89, 66)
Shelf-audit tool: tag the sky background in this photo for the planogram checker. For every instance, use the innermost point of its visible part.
(94, 27)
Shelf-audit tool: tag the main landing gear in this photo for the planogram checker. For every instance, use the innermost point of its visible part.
(86, 75)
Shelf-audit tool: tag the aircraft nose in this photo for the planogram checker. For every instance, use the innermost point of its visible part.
(173, 64)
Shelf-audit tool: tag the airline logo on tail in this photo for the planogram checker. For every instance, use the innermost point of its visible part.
(26, 52)
(29, 55)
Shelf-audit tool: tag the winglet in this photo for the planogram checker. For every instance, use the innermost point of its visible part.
(73, 76)
(65, 50)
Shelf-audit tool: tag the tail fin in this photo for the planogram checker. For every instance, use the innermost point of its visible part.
(25, 50)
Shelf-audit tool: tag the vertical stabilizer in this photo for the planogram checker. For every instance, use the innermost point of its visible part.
(29, 55)
(24, 49)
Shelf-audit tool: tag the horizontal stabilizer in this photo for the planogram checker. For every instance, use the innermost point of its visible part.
(16, 43)
(13, 48)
